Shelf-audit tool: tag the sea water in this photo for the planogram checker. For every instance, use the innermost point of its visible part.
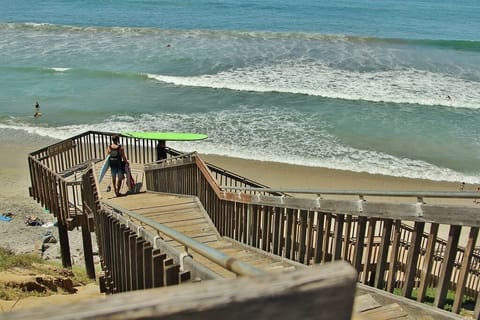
(389, 87)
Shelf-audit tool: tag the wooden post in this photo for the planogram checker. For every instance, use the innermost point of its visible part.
(412, 259)
(132, 244)
(357, 261)
(122, 256)
(326, 237)
(147, 265)
(427, 262)
(87, 248)
(368, 255)
(319, 237)
(309, 241)
(289, 233)
(462, 279)
(64, 244)
(264, 227)
(167, 263)
(277, 235)
(158, 271)
(337, 237)
(383, 254)
(303, 236)
(347, 239)
(391, 281)
(139, 267)
(447, 266)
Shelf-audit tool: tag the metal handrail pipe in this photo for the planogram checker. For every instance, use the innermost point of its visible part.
(226, 261)
(418, 194)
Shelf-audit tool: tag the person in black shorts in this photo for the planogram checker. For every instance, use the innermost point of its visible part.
(117, 161)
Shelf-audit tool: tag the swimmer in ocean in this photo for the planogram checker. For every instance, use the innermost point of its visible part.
(37, 110)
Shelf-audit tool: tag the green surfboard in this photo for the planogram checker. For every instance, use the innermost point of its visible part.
(167, 136)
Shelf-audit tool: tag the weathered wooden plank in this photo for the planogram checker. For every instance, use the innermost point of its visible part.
(338, 236)
(289, 233)
(347, 238)
(390, 311)
(383, 254)
(365, 302)
(447, 266)
(412, 259)
(132, 248)
(369, 249)
(147, 266)
(60, 147)
(161, 217)
(139, 259)
(359, 243)
(465, 266)
(426, 270)
(392, 270)
(157, 259)
(326, 238)
(274, 296)
(319, 237)
(277, 231)
(303, 236)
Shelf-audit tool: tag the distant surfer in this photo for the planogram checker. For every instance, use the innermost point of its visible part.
(37, 110)
(449, 98)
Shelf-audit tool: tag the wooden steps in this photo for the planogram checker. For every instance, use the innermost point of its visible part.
(186, 215)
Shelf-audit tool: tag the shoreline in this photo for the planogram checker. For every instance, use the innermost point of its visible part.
(290, 176)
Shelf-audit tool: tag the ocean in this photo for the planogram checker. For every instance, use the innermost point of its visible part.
(388, 87)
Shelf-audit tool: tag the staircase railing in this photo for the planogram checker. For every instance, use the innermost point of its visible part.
(392, 245)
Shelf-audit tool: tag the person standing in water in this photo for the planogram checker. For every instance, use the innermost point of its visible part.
(118, 159)
(37, 110)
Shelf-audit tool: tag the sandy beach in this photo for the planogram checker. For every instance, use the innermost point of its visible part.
(21, 238)
(15, 199)
(286, 176)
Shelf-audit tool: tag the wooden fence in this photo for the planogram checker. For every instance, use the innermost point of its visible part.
(56, 181)
(391, 245)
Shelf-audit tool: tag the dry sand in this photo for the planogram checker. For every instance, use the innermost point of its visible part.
(21, 238)
(279, 175)
(14, 198)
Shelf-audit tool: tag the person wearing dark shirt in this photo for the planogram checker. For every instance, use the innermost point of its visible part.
(161, 150)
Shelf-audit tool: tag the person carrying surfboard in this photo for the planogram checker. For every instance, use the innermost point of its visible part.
(118, 159)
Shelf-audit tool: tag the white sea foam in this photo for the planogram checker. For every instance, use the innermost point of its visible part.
(251, 134)
(394, 86)
(57, 69)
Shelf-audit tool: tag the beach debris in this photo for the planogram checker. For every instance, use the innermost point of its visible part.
(33, 221)
(7, 217)
(49, 238)
(48, 225)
